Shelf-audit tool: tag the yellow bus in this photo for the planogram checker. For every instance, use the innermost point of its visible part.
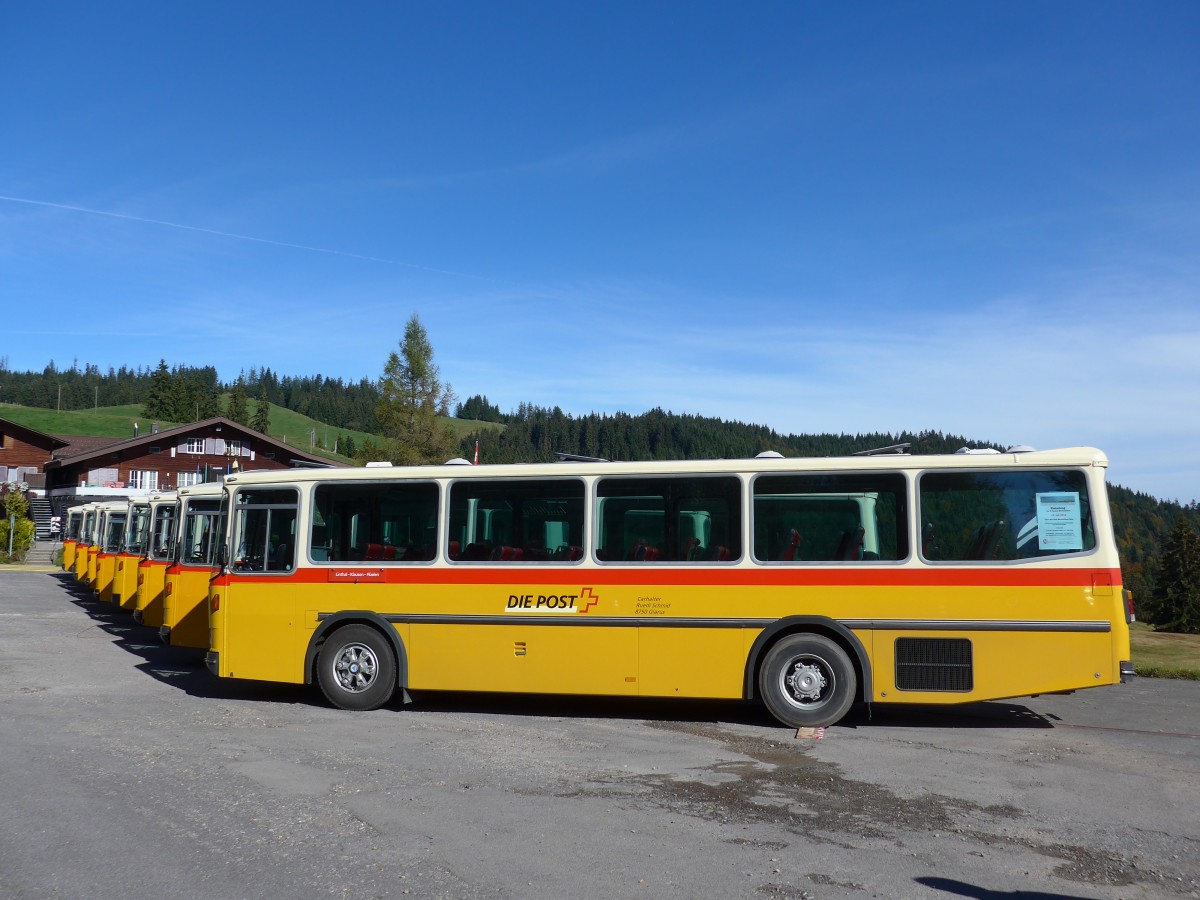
(110, 530)
(806, 584)
(152, 570)
(71, 537)
(133, 548)
(85, 546)
(185, 595)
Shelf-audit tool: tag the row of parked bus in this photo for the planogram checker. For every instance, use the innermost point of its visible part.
(806, 584)
(152, 556)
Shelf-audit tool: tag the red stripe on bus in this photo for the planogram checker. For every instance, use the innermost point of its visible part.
(770, 577)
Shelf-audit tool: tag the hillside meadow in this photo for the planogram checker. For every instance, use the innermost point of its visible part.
(287, 426)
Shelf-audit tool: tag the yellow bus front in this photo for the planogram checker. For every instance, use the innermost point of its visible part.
(185, 598)
(153, 575)
(125, 581)
(93, 559)
(185, 606)
(112, 538)
(133, 548)
(81, 562)
(106, 567)
(71, 537)
(86, 537)
(152, 571)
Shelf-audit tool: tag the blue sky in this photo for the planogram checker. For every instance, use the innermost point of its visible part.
(980, 218)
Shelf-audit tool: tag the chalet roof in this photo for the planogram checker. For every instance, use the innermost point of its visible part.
(81, 449)
(32, 435)
(75, 444)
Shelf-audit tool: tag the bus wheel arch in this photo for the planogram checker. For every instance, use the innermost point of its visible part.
(808, 671)
(346, 635)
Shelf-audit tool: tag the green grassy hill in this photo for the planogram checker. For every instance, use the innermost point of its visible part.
(106, 421)
(287, 426)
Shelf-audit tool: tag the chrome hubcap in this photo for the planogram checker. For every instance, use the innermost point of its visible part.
(355, 668)
(805, 682)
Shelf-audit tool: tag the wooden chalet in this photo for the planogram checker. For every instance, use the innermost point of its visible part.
(84, 469)
(24, 453)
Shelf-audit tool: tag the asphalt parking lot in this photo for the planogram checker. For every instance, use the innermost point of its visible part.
(129, 771)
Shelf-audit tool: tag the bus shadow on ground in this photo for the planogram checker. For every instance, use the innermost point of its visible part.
(559, 706)
(983, 714)
(181, 667)
(965, 889)
(990, 714)
(184, 669)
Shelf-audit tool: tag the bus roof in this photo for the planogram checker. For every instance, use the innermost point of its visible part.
(207, 489)
(1069, 456)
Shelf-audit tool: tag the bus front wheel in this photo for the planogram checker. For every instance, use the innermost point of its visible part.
(807, 680)
(356, 668)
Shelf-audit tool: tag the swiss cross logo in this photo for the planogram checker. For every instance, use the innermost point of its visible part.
(587, 599)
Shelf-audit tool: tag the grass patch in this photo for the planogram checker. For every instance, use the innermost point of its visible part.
(290, 427)
(106, 421)
(1164, 654)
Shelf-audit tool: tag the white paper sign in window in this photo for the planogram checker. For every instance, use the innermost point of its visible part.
(1058, 518)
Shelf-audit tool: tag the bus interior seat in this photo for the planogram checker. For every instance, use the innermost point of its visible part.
(851, 545)
(480, 550)
(928, 541)
(984, 541)
(792, 545)
(374, 551)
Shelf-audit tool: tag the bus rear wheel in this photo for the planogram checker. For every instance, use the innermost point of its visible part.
(357, 668)
(807, 680)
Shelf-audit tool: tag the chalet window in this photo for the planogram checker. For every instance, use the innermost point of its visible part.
(268, 456)
(187, 479)
(193, 445)
(234, 448)
(143, 479)
(155, 450)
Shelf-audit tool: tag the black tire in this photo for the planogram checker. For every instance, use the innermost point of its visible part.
(807, 680)
(357, 668)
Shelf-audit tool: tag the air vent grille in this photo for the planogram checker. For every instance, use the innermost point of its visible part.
(934, 664)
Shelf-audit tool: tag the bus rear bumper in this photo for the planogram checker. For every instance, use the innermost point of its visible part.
(1127, 672)
(212, 662)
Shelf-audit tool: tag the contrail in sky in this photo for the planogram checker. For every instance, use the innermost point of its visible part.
(229, 234)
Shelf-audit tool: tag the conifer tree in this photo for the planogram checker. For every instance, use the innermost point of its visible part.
(159, 401)
(262, 413)
(1177, 593)
(238, 409)
(412, 399)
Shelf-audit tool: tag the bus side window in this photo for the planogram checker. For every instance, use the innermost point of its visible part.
(830, 517)
(999, 515)
(669, 519)
(516, 521)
